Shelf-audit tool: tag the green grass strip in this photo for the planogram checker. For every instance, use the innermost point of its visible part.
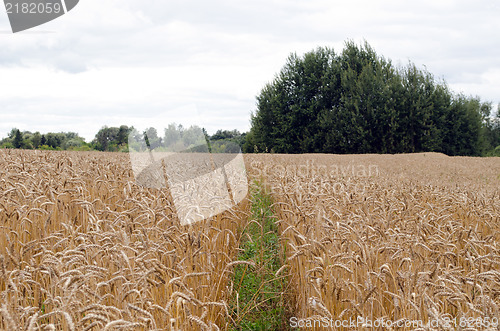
(259, 304)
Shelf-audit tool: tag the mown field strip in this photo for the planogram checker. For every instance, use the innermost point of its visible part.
(260, 302)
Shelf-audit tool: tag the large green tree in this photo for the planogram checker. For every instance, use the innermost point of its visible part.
(358, 102)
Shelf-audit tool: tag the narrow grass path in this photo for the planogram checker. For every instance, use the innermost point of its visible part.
(260, 303)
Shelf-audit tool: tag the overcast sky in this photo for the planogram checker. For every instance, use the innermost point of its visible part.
(148, 62)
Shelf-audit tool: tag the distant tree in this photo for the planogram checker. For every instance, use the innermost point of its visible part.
(172, 134)
(122, 136)
(71, 135)
(105, 138)
(225, 134)
(17, 141)
(73, 144)
(172, 137)
(193, 136)
(250, 145)
(152, 138)
(36, 139)
(495, 127)
(228, 141)
(55, 140)
(152, 133)
(12, 133)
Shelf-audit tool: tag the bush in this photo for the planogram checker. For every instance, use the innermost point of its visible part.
(123, 148)
(46, 148)
(84, 148)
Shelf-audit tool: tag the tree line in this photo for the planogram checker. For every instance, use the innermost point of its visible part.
(358, 102)
(350, 102)
(116, 139)
(48, 141)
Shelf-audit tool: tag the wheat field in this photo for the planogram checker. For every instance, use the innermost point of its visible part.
(82, 247)
(403, 238)
(398, 237)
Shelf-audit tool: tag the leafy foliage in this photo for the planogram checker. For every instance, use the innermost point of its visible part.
(358, 102)
(47, 141)
(112, 138)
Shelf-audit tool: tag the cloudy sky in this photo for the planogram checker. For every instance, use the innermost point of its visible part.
(148, 62)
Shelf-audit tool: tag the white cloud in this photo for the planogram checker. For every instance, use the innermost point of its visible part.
(122, 61)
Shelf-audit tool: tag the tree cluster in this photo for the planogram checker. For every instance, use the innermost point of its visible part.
(359, 102)
(227, 141)
(47, 141)
(176, 138)
(116, 139)
(112, 139)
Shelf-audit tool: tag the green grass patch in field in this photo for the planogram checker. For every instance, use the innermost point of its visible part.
(259, 304)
